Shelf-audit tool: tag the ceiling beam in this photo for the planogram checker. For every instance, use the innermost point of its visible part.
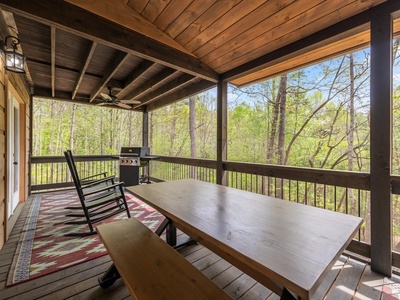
(151, 83)
(184, 93)
(136, 74)
(115, 83)
(314, 39)
(88, 58)
(116, 64)
(93, 27)
(165, 89)
(45, 93)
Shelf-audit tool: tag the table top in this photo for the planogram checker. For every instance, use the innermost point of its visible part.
(278, 243)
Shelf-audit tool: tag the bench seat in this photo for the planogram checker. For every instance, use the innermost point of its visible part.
(152, 269)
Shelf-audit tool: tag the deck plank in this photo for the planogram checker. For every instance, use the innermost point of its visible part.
(206, 261)
(96, 291)
(330, 278)
(54, 286)
(256, 292)
(226, 277)
(346, 283)
(370, 287)
(240, 286)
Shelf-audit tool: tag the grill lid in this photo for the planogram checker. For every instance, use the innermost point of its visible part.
(135, 151)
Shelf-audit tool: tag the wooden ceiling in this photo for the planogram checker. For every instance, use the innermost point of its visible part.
(160, 51)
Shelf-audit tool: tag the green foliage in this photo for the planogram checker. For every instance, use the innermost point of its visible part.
(85, 129)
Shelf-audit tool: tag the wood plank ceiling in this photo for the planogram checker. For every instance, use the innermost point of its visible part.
(159, 51)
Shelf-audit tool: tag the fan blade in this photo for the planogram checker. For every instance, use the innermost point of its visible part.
(124, 105)
(130, 101)
(106, 97)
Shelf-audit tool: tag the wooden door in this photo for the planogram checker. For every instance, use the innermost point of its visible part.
(13, 153)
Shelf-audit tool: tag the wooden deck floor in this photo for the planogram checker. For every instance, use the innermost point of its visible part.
(348, 279)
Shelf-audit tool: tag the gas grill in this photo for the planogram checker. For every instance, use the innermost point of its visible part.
(130, 160)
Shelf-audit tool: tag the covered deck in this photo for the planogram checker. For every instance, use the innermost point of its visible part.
(153, 56)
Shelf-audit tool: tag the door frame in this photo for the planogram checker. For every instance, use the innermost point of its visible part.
(14, 100)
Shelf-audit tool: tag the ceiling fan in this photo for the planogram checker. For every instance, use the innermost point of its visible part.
(110, 99)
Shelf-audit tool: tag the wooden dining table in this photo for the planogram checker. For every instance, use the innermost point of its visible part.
(286, 246)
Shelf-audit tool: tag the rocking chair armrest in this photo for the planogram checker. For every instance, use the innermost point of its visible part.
(104, 188)
(98, 181)
(95, 175)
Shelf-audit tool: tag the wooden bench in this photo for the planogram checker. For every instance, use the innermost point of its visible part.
(152, 269)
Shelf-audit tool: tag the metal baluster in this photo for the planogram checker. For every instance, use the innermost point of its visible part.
(315, 194)
(305, 193)
(334, 197)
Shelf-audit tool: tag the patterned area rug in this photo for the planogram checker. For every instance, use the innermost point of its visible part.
(43, 247)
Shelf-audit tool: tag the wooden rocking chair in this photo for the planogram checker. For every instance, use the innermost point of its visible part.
(99, 198)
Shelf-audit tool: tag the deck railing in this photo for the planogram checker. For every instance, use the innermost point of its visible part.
(51, 172)
(342, 191)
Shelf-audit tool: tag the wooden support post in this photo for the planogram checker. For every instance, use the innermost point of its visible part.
(222, 107)
(145, 129)
(381, 143)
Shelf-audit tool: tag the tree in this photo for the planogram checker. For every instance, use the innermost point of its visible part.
(192, 132)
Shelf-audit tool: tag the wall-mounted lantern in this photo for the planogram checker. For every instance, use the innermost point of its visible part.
(15, 60)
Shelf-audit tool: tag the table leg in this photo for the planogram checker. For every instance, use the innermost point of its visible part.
(171, 234)
(109, 277)
(162, 226)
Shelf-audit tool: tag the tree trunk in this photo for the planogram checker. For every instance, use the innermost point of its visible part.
(272, 136)
(130, 131)
(274, 122)
(282, 127)
(71, 133)
(350, 134)
(172, 133)
(51, 142)
(282, 118)
(59, 131)
(37, 124)
(151, 129)
(192, 132)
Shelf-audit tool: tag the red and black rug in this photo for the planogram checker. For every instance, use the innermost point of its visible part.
(43, 247)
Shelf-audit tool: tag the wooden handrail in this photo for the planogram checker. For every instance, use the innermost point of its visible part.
(356, 180)
(61, 159)
(349, 179)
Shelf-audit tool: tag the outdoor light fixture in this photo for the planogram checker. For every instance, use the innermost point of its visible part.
(15, 60)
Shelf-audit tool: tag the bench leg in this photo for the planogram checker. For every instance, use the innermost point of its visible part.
(109, 277)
